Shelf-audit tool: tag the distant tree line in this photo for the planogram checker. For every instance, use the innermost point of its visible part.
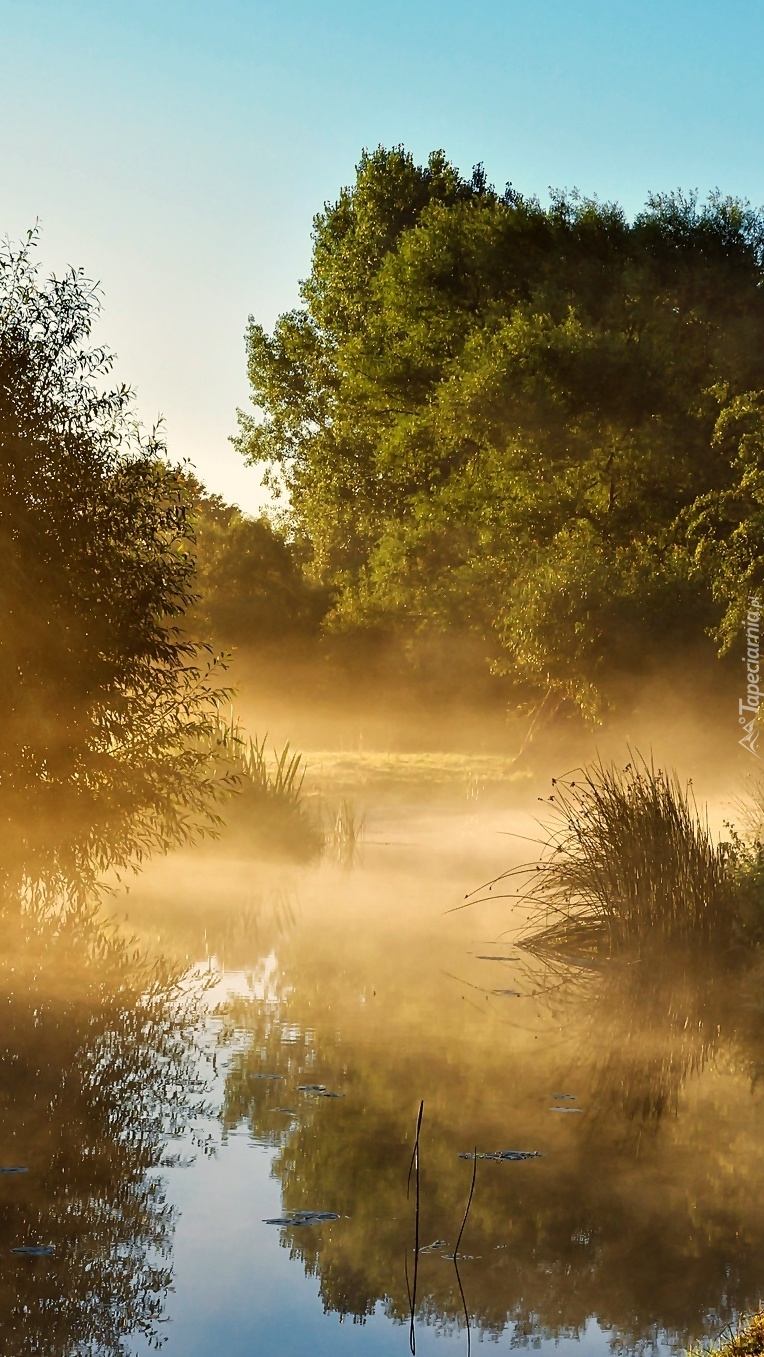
(250, 587)
(540, 429)
(529, 436)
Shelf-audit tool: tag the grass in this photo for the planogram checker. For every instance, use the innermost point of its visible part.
(277, 781)
(270, 809)
(390, 776)
(267, 807)
(344, 831)
(747, 1340)
(628, 860)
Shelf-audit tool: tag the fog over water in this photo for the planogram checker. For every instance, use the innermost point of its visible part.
(211, 1079)
(381, 873)
(181, 1151)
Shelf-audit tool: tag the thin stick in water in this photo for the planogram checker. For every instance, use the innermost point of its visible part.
(414, 1165)
(456, 1254)
(469, 1202)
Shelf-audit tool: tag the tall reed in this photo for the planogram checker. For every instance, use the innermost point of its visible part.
(268, 806)
(278, 780)
(344, 830)
(628, 859)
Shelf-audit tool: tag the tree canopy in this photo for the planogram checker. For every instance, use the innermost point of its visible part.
(251, 590)
(105, 700)
(539, 425)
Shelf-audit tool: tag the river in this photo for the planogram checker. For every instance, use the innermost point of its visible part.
(177, 1164)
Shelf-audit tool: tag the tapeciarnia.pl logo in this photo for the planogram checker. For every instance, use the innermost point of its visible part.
(748, 709)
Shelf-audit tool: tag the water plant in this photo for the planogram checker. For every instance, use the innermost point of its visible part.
(745, 1340)
(628, 860)
(267, 805)
(280, 780)
(344, 830)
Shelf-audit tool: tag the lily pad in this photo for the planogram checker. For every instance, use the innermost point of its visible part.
(35, 1250)
(303, 1218)
(509, 1155)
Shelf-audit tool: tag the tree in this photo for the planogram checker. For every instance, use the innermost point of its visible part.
(108, 708)
(493, 418)
(250, 586)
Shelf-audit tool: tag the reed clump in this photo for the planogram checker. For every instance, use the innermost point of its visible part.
(629, 861)
(344, 830)
(746, 1340)
(268, 806)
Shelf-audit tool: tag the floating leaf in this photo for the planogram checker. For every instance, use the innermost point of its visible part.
(303, 1218)
(501, 1154)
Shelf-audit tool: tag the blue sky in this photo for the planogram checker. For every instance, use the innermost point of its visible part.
(178, 150)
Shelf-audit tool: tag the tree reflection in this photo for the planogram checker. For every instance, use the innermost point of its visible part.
(98, 1074)
(647, 1216)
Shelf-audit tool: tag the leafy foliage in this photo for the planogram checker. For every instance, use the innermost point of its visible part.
(539, 426)
(251, 590)
(746, 1339)
(109, 709)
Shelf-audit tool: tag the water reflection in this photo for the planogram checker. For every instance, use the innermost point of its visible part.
(638, 1088)
(99, 1071)
(635, 1093)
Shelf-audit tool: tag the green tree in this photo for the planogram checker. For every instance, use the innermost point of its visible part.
(492, 417)
(105, 700)
(251, 590)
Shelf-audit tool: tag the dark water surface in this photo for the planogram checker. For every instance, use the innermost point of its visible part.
(637, 1219)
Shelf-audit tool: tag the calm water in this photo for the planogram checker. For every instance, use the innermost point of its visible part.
(638, 1220)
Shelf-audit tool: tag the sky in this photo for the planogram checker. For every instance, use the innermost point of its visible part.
(177, 150)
